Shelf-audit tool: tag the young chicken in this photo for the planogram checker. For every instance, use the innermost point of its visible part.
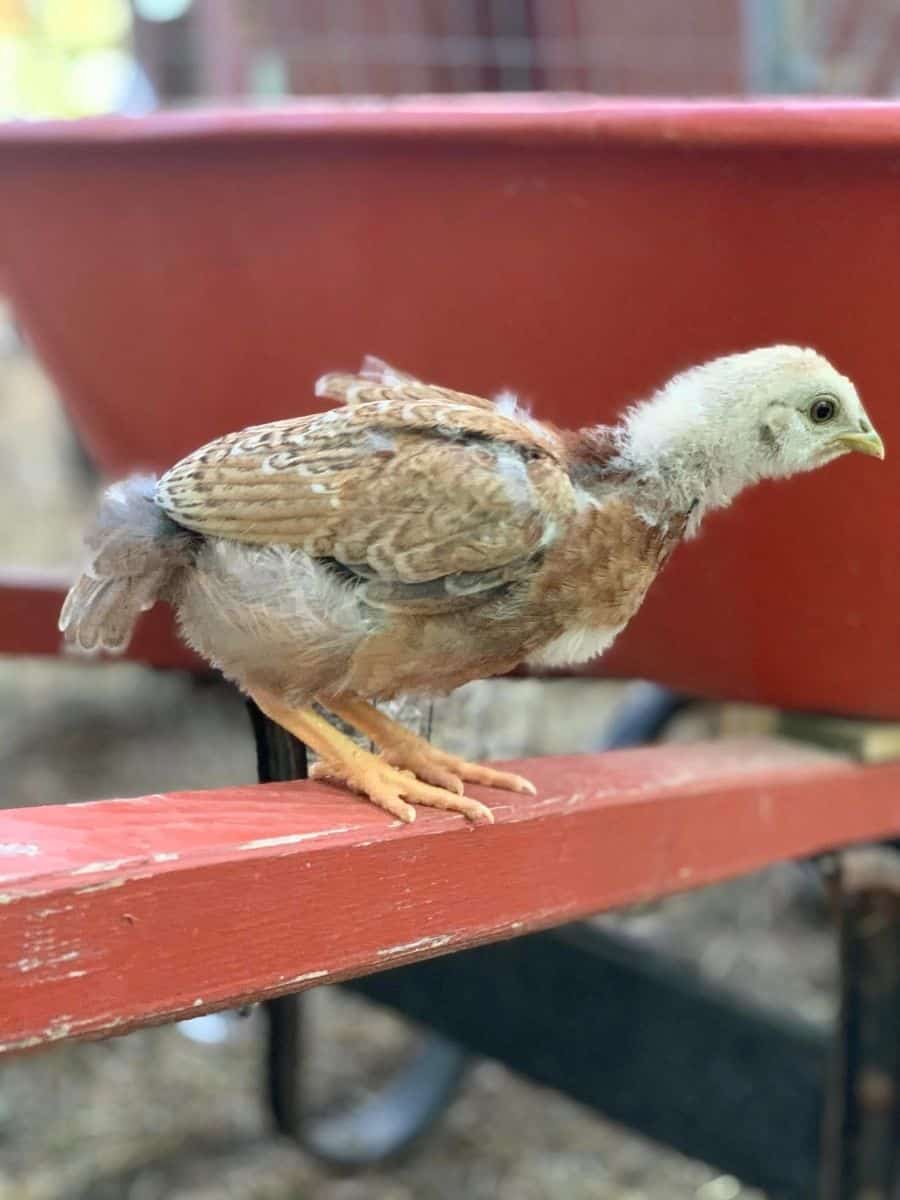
(416, 538)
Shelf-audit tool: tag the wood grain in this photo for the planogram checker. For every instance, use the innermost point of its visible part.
(121, 913)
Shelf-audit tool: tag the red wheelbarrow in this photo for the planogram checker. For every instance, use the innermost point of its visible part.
(188, 274)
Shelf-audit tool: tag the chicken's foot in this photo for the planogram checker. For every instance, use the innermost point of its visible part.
(343, 762)
(403, 748)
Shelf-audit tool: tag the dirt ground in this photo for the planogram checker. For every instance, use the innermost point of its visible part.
(160, 1115)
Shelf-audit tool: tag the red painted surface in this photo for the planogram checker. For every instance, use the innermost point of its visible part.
(29, 607)
(126, 912)
(188, 274)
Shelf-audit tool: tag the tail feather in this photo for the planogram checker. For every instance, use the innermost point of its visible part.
(136, 553)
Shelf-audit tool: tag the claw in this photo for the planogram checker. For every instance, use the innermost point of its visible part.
(391, 788)
(450, 772)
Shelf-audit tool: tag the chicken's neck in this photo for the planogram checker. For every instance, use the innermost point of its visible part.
(669, 478)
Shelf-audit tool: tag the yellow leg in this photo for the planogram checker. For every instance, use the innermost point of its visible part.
(343, 762)
(405, 749)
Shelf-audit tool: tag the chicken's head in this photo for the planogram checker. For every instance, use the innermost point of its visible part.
(765, 414)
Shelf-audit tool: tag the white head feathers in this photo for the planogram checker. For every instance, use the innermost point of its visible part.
(715, 429)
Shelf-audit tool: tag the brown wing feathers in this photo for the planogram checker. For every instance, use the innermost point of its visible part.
(412, 482)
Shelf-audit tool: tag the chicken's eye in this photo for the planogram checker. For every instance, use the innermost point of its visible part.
(822, 409)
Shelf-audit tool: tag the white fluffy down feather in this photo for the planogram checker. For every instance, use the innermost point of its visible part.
(718, 428)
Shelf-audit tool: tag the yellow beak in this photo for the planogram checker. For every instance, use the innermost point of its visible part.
(862, 443)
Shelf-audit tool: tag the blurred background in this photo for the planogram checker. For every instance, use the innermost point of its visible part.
(70, 58)
(177, 1113)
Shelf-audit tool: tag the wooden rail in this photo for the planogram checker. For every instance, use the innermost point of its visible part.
(121, 913)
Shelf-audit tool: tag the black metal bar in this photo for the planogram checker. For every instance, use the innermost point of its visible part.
(406, 1106)
(860, 1151)
(279, 755)
(639, 1038)
(375, 1130)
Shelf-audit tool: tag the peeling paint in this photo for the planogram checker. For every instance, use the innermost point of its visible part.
(33, 963)
(96, 868)
(310, 975)
(426, 943)
(15, 897)
(22, 1044)
(19, 849)
(120, 881)
(115, 800)
(570, 800)
(62, 1027)
(291, 839)
(165, 857)
(66, 975)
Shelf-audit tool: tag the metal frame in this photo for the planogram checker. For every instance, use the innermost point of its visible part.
(861, 1146)
(406, 1106)
(640, 1038)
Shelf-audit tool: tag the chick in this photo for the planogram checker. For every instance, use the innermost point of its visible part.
(416, 538)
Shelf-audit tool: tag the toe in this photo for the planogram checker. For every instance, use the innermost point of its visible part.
(434, 773)
(489, 777)
(434, 797)
(396, 790)
(386, 792)
(441, 778)
(479, 812)
(448, 771)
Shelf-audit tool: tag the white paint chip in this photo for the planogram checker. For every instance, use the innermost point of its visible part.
(426, 943)
(97, 868)
(291, 839)
(102, 887)
(310, 975)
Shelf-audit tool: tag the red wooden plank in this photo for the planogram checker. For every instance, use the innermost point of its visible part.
(121, 913)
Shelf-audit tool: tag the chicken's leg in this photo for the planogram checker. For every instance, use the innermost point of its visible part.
(342, 761)
(401, 747)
